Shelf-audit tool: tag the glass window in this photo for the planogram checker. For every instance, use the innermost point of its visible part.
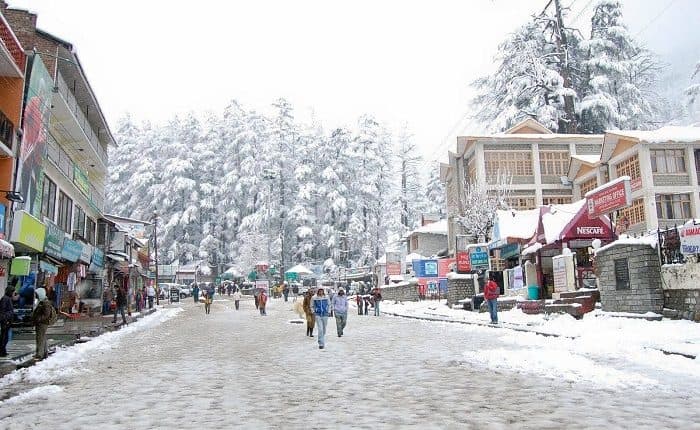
(634, 213)
(667, 161)
(65, 210)
(556, 200)
(673, 206)
(589, 185)
(512, 163)
(554, 162)
(48, 199)
(629, 167)
(79, 222)
(90, 230)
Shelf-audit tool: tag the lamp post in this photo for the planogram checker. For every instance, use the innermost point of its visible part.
(155, 248)
(269, 175)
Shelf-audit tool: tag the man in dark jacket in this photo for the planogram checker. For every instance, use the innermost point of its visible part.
(121, 304)
(43, 316)
(6, 316)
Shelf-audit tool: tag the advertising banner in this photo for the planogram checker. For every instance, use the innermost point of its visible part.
(85, 253)
(518, 282)
(28, 231)
(393, 268)
(80, 180)
(2, 221)
(690, 239)
(34, 135)
(71, 250)
(609, 198)
(479, 258)
(53, 243)
(463, 263)
(425, 268)
(97, 262)
(444, 266)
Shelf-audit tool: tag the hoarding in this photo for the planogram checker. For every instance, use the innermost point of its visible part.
(690, 239)
(609, 197)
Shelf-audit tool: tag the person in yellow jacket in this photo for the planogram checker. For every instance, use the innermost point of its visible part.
(310, 318)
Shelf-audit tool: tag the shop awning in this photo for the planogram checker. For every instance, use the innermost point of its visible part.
(6, 249)
(115, 257)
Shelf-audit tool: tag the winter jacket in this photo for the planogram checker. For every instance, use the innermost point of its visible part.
(43, 313)
(151, 291)
(237, 296)
(491, 290)
(340, 304)
(307, 305)
(6, 308)
(121, 298)
(321, 306)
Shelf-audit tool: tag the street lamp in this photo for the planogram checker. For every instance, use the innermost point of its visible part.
(269, 175)
(13, 196)
(155, 247)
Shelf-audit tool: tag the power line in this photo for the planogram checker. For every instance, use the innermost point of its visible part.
(668, 5)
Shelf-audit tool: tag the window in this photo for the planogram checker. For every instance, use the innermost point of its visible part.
(512, 163)
(554, 163)
(101, 234)
(90, 230)
(65, 210)
(520, 203)
(634, 213)
(588, 185)
(556, 200)
(629, 167)
(673, 206)
(667, 161)
(79, 221)
(48, 199)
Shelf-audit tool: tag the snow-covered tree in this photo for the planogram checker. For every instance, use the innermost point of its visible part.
(692, 94)
(478, 205)
(435, 193)
(411, 197)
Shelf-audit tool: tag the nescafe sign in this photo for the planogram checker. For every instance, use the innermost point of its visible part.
(593, 231)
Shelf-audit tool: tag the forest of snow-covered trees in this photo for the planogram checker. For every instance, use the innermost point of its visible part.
(225, 185)
(574, 80)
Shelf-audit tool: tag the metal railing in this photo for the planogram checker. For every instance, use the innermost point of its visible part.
(80, 118)
(670, 246)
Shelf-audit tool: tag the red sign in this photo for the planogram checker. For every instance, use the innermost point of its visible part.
(636, 184)
(463, 263)
(616, 196)
(393, 269)
(444, 266)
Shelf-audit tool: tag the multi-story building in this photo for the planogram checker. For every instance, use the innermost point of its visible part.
(12, 64)
(663, 167)
(63, 156)
(533, 160)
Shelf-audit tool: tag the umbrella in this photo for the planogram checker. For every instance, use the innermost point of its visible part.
(300, 270)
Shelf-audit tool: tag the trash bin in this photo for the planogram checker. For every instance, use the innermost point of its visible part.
(533, 292)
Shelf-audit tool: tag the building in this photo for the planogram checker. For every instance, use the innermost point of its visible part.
(62, 169)
(663, 167)
(429, 239)
(12, 65)
(534, 161)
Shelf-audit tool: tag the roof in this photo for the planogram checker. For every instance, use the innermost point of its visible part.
(577, 161)
(667, 134)
(438, 227)
(591, 159)
(515, 224)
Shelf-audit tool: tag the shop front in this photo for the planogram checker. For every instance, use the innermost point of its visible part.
(27, 237)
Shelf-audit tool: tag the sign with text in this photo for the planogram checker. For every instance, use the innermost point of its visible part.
(690, 239)
(463, 264)
(393, 268)
(53, 240)
(609, 198)
(444, 266)
(426, 268)
(479, 258)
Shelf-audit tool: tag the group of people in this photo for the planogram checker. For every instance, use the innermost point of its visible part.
(115, 298)
(43, 315)
(319, 307)
(363, 302)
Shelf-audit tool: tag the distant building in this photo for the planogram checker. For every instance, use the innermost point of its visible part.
(428, 240)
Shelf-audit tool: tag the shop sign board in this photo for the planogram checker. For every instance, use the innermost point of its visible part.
(444, 266)
(2, 221)
(53, 243)
(479, 258)
(690, 239)
(425, 268)
(393, 268)
(463, 263)
(174, 295)
(609, 197)
(20, 266)
(28, 231)
(85, 253)
(97, 262)
(510, 250)
(80, 179)
(71, 250)
(518, 281)
(559, 272)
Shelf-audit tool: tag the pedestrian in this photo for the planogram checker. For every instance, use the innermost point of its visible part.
(43, 316)
(151, 293)
(121, 304)
(322, 310)
(209, 298)
(359, 302)
(376, 297)
(262, 302)
(285, 291)
(366, 300)
(6, 316)
(195, 292)
(491, 293)
(138, 298)
(106, 300)
(340, 310)
(256, 296)
(310, 319)
(237, 298)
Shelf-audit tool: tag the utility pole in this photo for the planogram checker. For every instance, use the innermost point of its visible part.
(155, 247)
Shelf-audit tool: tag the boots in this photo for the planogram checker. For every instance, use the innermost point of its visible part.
(309, 332)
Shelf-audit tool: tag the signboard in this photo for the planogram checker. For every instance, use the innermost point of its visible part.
(20, 266)
(463, 263)
(393, 268)
(97, 262)
(518, 281)
(425, 268)
(174, 294)
(690, 239)
(28, 231)
(636, 184)
(510, 250)
(444, 266)
(53, 243)
(2, 221)
(609, 198)
(85, 252)
(80, 180)
(71, 250)
(559, 272)
(479, 258)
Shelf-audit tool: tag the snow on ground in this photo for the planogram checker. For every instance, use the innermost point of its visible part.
(583, 348)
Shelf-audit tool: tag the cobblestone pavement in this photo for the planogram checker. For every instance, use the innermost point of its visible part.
(237, 368)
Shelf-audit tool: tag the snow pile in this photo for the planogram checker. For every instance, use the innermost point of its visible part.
(532, 249)
(668, 133)
(516, 224)
(651, 240)
(438, 227)
(38, 393)
(558, 217)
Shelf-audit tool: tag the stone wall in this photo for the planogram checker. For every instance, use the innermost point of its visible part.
(681, 285)
(460, 287)
(642, 292)
(402, 293)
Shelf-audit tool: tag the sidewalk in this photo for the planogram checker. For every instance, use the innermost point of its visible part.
(65, 332)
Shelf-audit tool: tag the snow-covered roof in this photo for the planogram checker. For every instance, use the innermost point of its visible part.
(299, 269)
(413, 256)
(651, 240)
(558, 217)
(531, 249)
(669, 133)
(587, 158)
(382, 260)
(516, 224)
(438, 227)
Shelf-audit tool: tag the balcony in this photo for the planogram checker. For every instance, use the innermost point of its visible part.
(12, 57)
(73, 126)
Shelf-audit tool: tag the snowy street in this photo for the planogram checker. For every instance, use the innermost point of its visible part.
(185, 369)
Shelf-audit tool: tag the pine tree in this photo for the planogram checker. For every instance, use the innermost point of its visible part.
(435, 192)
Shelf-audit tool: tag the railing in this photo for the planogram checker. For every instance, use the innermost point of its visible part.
(72, 103)
(12, 44)
(670, 246)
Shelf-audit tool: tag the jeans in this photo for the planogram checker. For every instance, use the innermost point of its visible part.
(321, 323)
(119, 309)
(4, 338)
(341, 319)
(105, 307)
(493, 309)
(42, 350)
(150, 302)
(237, 303)
(376, 308)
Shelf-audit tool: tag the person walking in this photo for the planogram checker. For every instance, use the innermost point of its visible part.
(106, 300)
(285, 290)
(340, 310)
(208, 298)
(138, 299)
(377, 298)
(43, 316)
(121, 304)
(359, 302)
(322, 310)
(262, 302)
(366, 300)
(151, 293)
(310, 320)
(237, 298)
(6, 316)
(491, 293)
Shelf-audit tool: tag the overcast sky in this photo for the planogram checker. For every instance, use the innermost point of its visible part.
(398, 60)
